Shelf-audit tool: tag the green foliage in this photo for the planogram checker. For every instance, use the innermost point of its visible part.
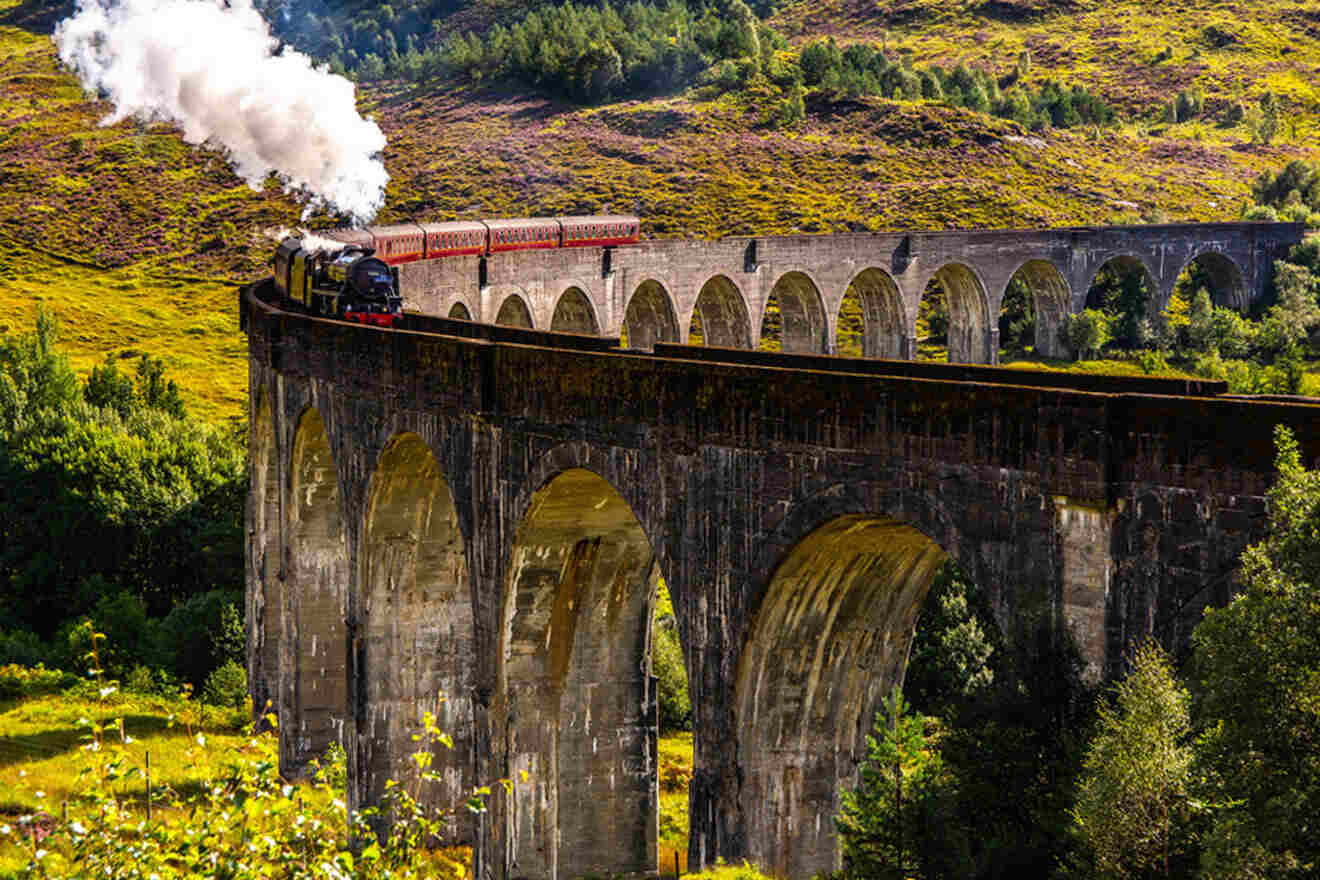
(592, 53)
(201, 634)
(668, 666)
(152, 500)
(1265, 123)
(1133, 799)
(234, 816)
(1017, 317)
(1296, 182)
(1088, 332)
(1258, 696)
(899, 792)
(227, 686)
(1201, 324)
(29, 681)
(949, 662)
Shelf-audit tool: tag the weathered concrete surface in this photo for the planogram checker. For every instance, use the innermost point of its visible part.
(653, 290)
(488, 519)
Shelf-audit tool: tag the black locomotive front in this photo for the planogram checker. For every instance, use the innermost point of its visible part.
(348, 283)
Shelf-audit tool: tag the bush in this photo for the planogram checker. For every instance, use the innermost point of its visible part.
(22, 647)
(226, 687)
(1152, 362)
(200, 634)
(31, 681)
(1088, 332)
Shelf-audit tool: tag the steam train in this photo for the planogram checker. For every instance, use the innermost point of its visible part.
(353, 274)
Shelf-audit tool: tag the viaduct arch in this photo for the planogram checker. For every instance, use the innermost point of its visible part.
(484, 510)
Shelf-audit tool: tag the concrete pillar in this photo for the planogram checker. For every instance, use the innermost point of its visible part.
(1085, 531)
(992, 346)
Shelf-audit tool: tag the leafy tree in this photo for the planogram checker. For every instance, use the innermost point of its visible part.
(152, 501)
(1201, 323)
(668, 666)
(1017, 318)
(1295, 311)
(1088, 332)
(1134, 792)
(1258, 695)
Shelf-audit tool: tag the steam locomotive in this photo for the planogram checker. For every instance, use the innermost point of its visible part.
(353, 274)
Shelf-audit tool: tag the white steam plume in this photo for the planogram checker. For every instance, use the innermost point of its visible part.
(211, 67)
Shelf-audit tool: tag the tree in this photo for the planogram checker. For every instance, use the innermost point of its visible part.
(882, 821)
(1136, 774)
(1257, 662)
(1200, 323)
(1088, 332)
(951, 651)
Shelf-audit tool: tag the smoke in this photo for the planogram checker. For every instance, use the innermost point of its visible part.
(213, 69)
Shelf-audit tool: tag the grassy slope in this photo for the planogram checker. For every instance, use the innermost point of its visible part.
(140, 212)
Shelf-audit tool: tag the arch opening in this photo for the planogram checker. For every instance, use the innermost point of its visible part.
(574, 314)
(1125, 290)
(314, 708)
(1035, 308)
(460, 311)
(1218, 275)
(514, 312)
(576, 678)
(649, 317)
(719, 317)
(954, 316)
(871, 318)
(794, 319)
(263, 600)
(416, 628)
(829, 641)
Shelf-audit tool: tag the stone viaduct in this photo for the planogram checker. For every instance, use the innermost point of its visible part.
(652, 291)
(471, 519)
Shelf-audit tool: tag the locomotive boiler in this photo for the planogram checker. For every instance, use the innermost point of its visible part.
(349, 283)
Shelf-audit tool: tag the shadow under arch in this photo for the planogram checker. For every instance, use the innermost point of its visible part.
(574, 314)
(314, 705)
(829, 640)
(263, 600)
(514, 312)
(1220, 275)
(575, 677)
(416, 632)
(719, 317)
(460, 311)
(649, 317)
(872, 322)
(798, 316)
(969, 314)
(1051, 300)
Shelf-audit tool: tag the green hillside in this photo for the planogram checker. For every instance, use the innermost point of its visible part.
(134, 238)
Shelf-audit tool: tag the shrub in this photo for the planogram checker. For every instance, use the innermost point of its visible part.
(22, 647)
(31, 681)
(226, 687)
(199, 635)
(1152, 362)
